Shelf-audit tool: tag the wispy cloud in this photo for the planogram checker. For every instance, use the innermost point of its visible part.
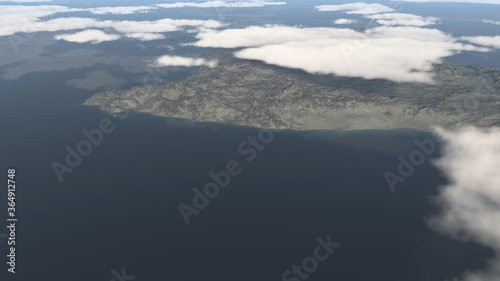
(345, 21)
(492, 22)
(402, 19)
(31, 19)
(381, 14)
(121, 10)
(220, 4)
(356, 8)
(488, 41)
(126, 10)
(163, 25)
(181, 61)
(88, 36)
(471, 201)
(142, 30)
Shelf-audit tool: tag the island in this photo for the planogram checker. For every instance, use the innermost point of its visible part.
(252, 93)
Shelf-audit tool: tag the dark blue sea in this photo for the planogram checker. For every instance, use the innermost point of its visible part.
(119, 207)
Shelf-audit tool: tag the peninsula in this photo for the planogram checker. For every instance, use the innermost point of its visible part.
(252, 93)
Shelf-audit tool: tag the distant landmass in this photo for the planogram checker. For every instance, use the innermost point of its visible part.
(252, 93)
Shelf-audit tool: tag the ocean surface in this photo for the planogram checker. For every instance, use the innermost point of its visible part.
(119, 207)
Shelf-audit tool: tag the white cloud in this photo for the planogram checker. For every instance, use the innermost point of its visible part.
(95, 80)
(382, 14)
(454, 1)
(471, 200)
(345, 21)
(163, 25)
(488, 41)
(356, 8)
(394, 53)
(20, 18)
(145, 36)
(28, 19)
(269, 34)
(121, 10)
(93, 36)
(402, 19)
(219, 4)
(167, 60)
(492, 22)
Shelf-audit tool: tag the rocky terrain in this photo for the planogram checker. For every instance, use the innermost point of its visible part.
(251, 93)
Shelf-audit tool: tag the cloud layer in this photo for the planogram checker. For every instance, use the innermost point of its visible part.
(220, 4)
(121, 10)
(383, 15)
(141, 30)
(356, 8)
(19, 18)
(402, 19)
(471, 202)
(400, 50)
(497, 2)
(31, 19)
(394, 53)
